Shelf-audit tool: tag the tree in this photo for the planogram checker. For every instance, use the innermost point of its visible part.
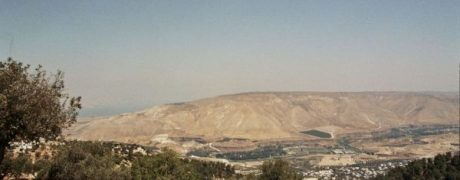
(278, 170)
(33, 105)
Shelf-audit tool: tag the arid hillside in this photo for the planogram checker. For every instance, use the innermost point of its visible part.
(263, 116)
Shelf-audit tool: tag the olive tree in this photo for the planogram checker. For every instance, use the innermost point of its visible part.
(33, 104)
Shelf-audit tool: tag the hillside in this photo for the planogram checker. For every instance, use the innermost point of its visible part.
(263, 116)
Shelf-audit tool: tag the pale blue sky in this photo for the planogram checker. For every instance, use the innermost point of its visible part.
(127, 55)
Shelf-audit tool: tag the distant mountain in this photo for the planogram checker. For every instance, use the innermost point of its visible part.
(272, 115)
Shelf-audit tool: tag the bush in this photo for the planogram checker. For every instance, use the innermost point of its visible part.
(17, 166)
(443, 166)
(278, 170)
(84, 160)
(165, 165)
(93, 160)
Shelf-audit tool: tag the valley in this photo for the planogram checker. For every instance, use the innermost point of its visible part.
(321, 134)
(360, 155)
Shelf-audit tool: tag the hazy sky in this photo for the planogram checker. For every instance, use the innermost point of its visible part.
(127, 55)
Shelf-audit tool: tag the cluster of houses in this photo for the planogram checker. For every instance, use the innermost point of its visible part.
(362, 171)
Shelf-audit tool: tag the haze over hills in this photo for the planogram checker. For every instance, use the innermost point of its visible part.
(272, 115)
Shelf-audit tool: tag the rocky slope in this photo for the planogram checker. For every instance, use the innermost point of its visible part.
(274, 115)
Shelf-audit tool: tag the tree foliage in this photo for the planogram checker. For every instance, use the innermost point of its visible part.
(98, 160)
(168, 165)
(17, 166)
(212, 170)
(33, 104)
(84, 160)
(442, 166)
(278, 170)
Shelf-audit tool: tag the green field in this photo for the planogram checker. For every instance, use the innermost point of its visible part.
(317, 133)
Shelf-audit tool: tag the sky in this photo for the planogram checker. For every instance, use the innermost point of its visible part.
(122, 56)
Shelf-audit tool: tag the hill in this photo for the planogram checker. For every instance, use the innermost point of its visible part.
(273, 115)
